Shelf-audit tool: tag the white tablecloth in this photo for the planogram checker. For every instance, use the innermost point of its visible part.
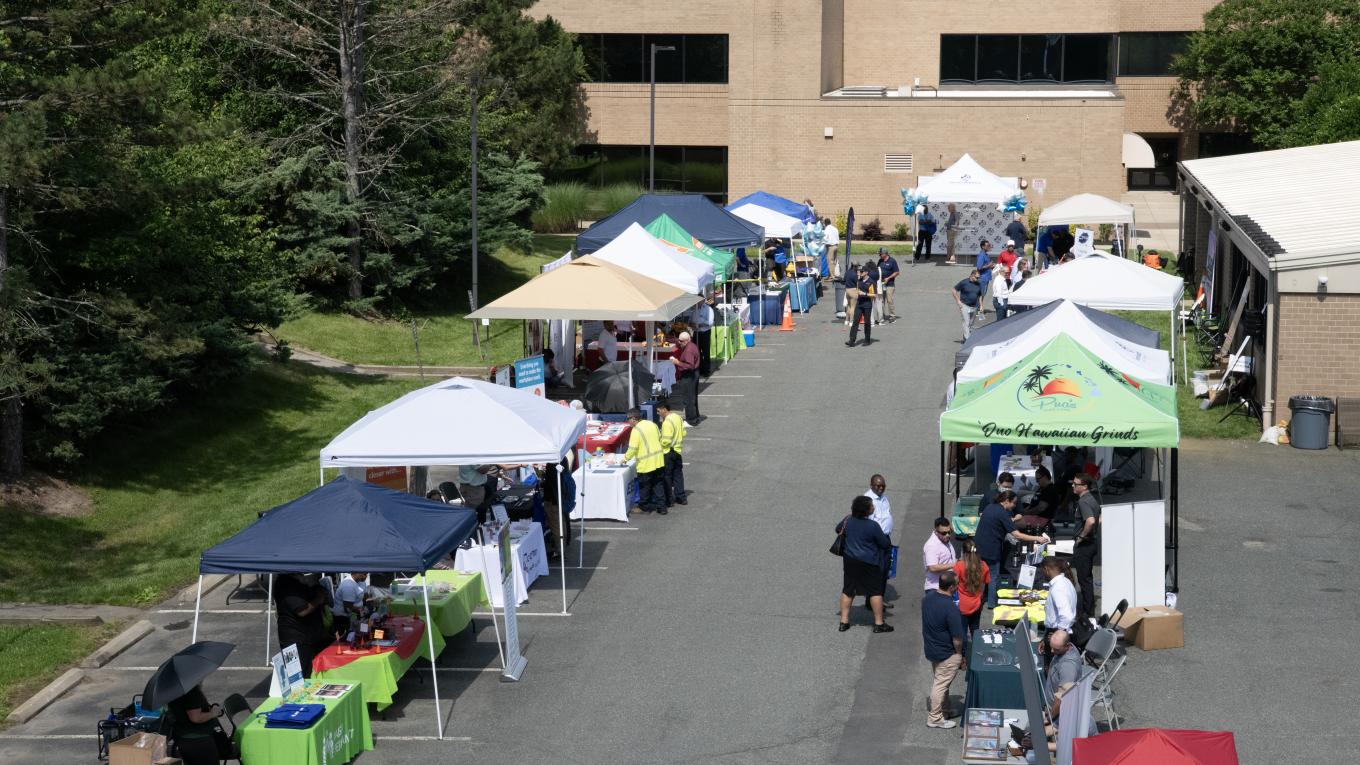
(1019, 466)
(530, 560)
(607, 493)
(664, 371)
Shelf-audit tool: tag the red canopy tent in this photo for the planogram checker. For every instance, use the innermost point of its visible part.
(1164, 747)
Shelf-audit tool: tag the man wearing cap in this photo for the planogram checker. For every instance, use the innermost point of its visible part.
(1008, 256)
(644, 445)
(887, 274)
(864, 302)
(686, 361)
(1016, 232)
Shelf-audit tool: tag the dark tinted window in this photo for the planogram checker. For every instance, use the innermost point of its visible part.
(1041, 58)
(690, 169)
(627, 58)
(1086, 58)
(1052, 58)
(957, 58)
(1149, 54)
(998, 58)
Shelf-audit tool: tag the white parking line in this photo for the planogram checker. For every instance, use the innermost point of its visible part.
(460, 739)
(208, 611)
(581, 568)
(722, 395)
(524, 613)
(735, 377)
(45, 737)
(612, 528)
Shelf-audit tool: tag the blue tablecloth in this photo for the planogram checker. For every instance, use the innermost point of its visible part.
(774, 308)
(804, 294)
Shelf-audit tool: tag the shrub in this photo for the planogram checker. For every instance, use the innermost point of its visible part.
(613, 198)
(872, 231)
(565, 206)
(841, 223)
(1032, 219)
(901, 233)
(1106, 232)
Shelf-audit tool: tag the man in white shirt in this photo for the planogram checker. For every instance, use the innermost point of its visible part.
(702, 319)
(349, 601)
(1060, 610)
(609, 344)
(882, 515)
(831, 237)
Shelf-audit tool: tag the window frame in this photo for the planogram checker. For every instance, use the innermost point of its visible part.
(1111, 60)
(596, 47)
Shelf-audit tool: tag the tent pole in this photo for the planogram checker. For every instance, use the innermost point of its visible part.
(581, 533)
(561, 545)
(486, 569)
(434, 673)
(268, 617)
(942, 469)
(321, 480)
(1173, 346)
(198, 604)
(632, 400)
(1175, 493)
(760, 286)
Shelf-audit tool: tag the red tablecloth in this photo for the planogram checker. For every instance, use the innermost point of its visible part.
(611, 438)
(407, 630)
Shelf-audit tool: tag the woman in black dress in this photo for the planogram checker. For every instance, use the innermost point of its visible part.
(866, 553)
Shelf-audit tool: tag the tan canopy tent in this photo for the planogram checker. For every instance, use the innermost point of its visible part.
(590, 289)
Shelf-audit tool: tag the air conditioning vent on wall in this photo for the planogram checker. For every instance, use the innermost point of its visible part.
(897, 163)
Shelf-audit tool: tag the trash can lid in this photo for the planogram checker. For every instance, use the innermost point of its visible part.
(1319, 403)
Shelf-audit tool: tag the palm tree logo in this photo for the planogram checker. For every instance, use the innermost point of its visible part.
(1034, 381)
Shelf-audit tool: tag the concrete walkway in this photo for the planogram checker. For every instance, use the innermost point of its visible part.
(322, 361)
(40, 613)
(1157, 214)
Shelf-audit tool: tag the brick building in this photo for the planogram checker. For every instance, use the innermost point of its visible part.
(846, 101)
(1284, 234)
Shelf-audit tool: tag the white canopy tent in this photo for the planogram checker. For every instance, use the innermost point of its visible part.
(1107, 283)
(462, 422)
(1089, 208)
(1152, 364)
(776, 225)
(642, 253)
(967, 181)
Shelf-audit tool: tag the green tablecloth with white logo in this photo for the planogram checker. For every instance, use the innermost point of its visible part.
(726, 340)
(451, 611)
(341, 734)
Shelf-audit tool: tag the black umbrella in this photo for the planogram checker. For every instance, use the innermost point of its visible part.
(181, 672)
(607, 387)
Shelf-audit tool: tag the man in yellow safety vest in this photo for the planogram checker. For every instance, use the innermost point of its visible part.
(644, 445)
(672, 441)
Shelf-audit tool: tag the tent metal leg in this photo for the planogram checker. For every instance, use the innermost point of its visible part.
(198, 604)
(943, 465)
(486, 570)
(434, 658)
(268, 618)
(561, 545)
(581, 530)
(1175, 521)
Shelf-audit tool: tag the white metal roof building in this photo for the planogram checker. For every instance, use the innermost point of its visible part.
(1285, 227)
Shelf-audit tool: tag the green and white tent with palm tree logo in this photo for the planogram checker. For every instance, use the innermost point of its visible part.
(671, 234)
(1062, 393)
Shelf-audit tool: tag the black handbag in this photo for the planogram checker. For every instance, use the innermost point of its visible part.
(838, 546)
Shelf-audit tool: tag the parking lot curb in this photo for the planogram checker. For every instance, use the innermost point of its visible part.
(123, 641)
(40, 700)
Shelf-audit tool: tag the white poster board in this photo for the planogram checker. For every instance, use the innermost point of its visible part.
(1084, 245)
(287, 673)
(1133, 554)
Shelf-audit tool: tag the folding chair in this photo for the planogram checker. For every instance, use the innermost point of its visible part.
(1101, 652)
(232, 706)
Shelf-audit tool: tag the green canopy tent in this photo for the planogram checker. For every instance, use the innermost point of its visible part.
(670, 232)
(1064, 394)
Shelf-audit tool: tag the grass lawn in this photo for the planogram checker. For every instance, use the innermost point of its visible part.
(184, 479)
(445, 336)
(1195, 422)
(31, 656)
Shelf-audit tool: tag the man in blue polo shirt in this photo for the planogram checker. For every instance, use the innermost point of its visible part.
(968, 294)
(984, 264)
(942, 638)
(887, 273)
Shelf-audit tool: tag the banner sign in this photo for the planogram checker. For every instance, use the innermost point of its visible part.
(529, 374)
(287, 674)
(387, 477)
(514, 661)
(1206, 283)
(1084, 245)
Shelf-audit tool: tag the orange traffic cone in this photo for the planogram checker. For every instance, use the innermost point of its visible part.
(787, 325)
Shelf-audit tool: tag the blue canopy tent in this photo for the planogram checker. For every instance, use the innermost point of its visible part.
(777, 203)
(695, 213)
(343, 526)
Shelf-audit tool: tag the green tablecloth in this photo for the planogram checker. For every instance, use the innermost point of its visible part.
(726, 340)
(451, 612)
(379, 672)
(993, 675)
(342, 734)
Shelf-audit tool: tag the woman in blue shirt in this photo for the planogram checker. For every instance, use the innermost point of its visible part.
(866, 555)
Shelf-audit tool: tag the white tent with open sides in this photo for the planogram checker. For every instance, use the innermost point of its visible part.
(1089, 209)
(642, 253)
(967, 181)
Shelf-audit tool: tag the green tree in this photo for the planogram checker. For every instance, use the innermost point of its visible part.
(1255, 59)
(1330, 109)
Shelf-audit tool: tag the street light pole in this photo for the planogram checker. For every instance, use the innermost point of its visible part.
(651, 141)
(476, 96)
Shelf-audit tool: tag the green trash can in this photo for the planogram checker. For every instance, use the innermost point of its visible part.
(1312, 421)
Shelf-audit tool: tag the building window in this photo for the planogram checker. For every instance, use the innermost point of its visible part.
(1149, 54)
(1048, 58)
(689, 169)
(627, 58)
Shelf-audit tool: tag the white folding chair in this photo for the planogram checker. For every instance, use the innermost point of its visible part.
(1100, 652)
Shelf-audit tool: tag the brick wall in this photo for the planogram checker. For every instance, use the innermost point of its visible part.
(1318, 348)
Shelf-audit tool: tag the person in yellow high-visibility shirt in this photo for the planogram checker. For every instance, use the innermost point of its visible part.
(644, 445)
(672, 441)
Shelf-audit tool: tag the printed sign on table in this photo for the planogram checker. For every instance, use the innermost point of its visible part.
(287, 674)
(387, 477)
(529, 373)
(1085, 244)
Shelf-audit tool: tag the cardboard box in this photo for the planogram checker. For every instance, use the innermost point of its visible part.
(169, 761)
(1154, 627)
(137, 749)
